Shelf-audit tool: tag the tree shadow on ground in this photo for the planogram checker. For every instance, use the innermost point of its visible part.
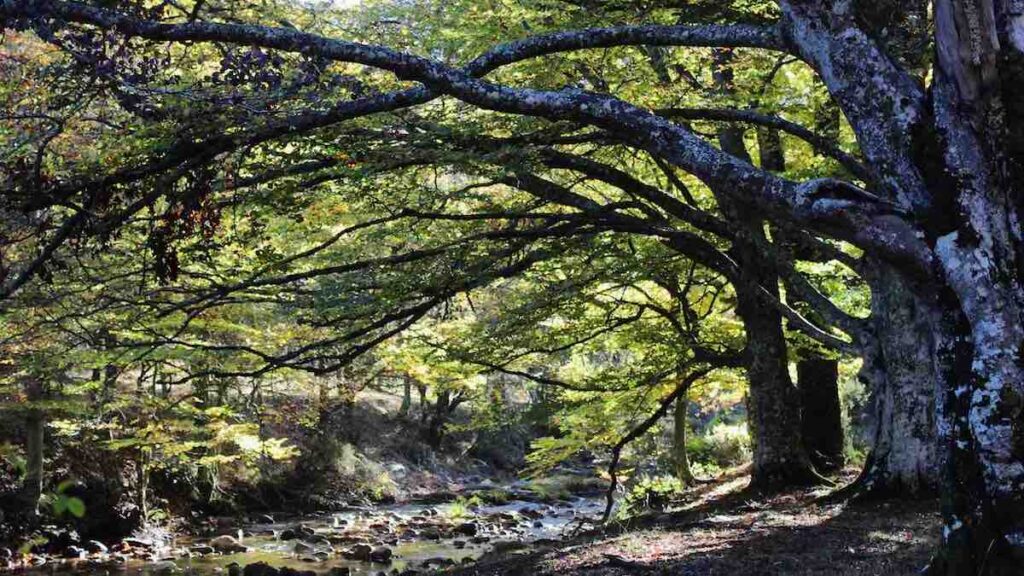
(733, 531)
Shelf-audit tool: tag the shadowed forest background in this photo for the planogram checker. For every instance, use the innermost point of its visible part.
(291, 288)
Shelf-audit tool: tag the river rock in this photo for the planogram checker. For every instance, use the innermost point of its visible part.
(259, 569)
(166, 567)
(467, 528)
(502, 546)
(532, 513)
(96, 547)
(202, 549)
(137, 543)
(75, 552)
(359, 552)
(6, 554)
(264, 519)
(302, 548)
(339, 571)
(381, 555)
(234, 569)
(227, 545)
(430, 533)
(319, 540)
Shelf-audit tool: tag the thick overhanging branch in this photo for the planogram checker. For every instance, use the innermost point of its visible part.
(853, 219)
(820, 143)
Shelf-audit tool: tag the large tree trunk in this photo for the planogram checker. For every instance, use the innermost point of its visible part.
(953, 158)
(774, 403)
(980, 117)
(900, 373)
(822, 414)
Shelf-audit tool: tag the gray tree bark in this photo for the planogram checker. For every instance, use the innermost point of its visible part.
(899, 370)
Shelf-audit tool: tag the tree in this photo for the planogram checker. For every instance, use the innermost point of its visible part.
(938, 210)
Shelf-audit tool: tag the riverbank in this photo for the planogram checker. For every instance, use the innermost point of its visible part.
(715, 528)
(724, 529)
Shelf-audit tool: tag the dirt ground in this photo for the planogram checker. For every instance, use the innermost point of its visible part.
(724, 529)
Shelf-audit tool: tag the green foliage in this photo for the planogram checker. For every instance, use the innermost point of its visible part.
(60, 503)
(463, 508)
(649, 493)
(722, 446)
(255, 289)
(13, 456)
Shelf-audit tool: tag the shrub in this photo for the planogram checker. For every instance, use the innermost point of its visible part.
(723, 445)
(650, 493)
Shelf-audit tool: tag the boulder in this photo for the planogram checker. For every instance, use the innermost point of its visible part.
(288, 534)
(234, 569)
(202, 549)
(302, 548)
(467, 528)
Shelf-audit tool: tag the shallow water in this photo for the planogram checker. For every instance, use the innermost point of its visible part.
(409, 551)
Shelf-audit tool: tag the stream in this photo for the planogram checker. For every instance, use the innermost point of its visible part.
(390, 539)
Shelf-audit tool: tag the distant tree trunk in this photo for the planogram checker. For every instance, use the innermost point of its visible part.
(35, 428)
(681, 460)
(406, 396)
(444, 408)
(822, 418)
(143, 484)
(421, 389)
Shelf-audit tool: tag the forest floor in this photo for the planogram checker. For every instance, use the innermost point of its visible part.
(723, 528)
